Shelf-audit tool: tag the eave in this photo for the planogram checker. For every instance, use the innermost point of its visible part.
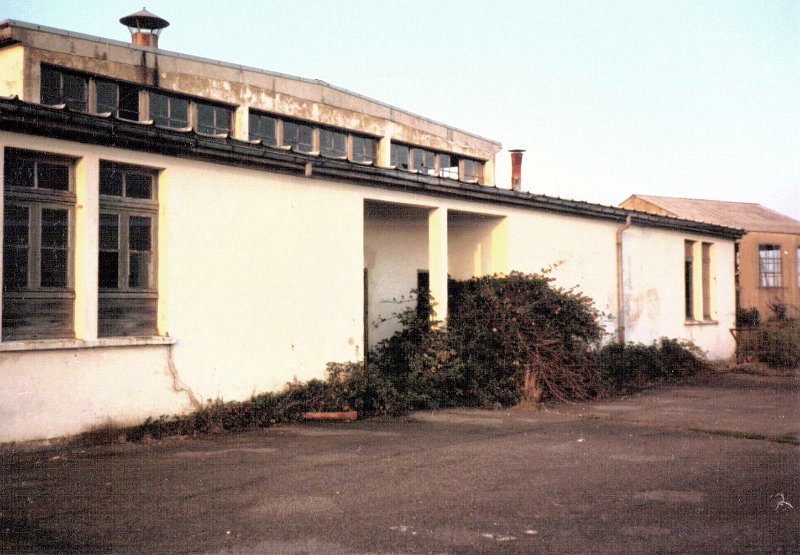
(59, 122)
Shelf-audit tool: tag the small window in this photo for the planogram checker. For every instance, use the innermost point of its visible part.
(127, 301)
(299, 136)
(472, 170)
(448, 166)
(213, 120)
(263, 128)
(769, 265)
(399, 156)
(61, 87)
(688, 279)
(424, 161)
(38, 213)
(362, 149)
(706, 252)
(169, 111)
(332, 143)
(121, 99)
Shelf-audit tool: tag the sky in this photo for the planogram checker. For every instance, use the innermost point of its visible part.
(697, 99)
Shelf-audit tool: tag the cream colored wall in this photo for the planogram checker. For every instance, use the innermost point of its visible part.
(260, 283)
(54, 393)
(654, 290)
(12, 60)
(580, 252)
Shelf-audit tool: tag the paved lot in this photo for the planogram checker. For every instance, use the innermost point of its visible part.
(631, 475)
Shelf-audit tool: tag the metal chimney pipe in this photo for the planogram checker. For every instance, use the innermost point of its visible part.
(516, 169)
(144, 27)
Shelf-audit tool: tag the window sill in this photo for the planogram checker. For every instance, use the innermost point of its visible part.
(701, 323)
(59, 344)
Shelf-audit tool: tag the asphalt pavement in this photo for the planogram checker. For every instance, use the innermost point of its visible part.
(712, 467)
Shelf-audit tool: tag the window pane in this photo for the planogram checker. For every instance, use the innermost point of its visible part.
(15, 246)
(424, 161)
(108, 270)
(75, 92)
(52, 176)
(128, 102)
(448, 166)
(363, 149)
(19, 173)
(139, 270)
(50, 86)
(109, 232)
(110, 180)
(290, 131)
(55, 228)
(399, 158)
(138, 185)
(332, 143)
(179, 112)
(263, 128)
(305, 138)
(205, 118)
(139, 233)
(159, 109)
(471, 170)
(107, 94)
(54, 268)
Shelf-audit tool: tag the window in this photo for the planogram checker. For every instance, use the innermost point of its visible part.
(263, 128)
(38, 296)
(423, 161)
(706, 280)
(472, 170)
(688, 279)
(362, 149)
(769, 265)
(169, 111)
(127, 300)
(120, 99)
(448, 166)
(332, 143)
(213, 120)
(399, 157)
(61, 87)
(299, 136)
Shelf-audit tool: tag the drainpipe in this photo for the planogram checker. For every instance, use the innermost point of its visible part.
(620, 304)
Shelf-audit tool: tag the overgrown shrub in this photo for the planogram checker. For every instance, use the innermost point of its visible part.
(507, 338)
(776, 344)
(747, 317)
(631, 367)
(521, 336)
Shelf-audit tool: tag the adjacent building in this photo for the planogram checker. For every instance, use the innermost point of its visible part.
(767, 256)
(177, 229)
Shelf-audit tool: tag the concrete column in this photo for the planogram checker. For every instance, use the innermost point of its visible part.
(385, 150)
(499, 262)
(87, 230)
(241, 123)
(437, 262)
(488, 173)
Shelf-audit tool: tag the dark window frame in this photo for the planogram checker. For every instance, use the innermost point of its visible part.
(299, 136)
(362, 149)
(125, 102)
(328, 146)
(171, 118)
(221, 122)
(35, 309)
(61, 94)
(263, 122)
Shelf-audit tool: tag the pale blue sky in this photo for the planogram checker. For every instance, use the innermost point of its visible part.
(680, 98)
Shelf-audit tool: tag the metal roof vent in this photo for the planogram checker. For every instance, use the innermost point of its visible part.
(144, 27)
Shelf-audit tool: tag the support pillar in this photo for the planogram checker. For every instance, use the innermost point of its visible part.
(437, 262)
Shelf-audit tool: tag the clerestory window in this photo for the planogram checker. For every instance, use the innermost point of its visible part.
(63, 87)
(169, 111)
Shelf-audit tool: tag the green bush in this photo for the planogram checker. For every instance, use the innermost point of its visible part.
(778, 345)
(631, 367)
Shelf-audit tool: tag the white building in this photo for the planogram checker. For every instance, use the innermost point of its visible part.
(178, 229)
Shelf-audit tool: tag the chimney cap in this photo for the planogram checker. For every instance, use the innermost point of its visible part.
(516, 150)
(144, 20)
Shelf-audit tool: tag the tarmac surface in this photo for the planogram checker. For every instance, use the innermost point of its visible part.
(707, 468)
